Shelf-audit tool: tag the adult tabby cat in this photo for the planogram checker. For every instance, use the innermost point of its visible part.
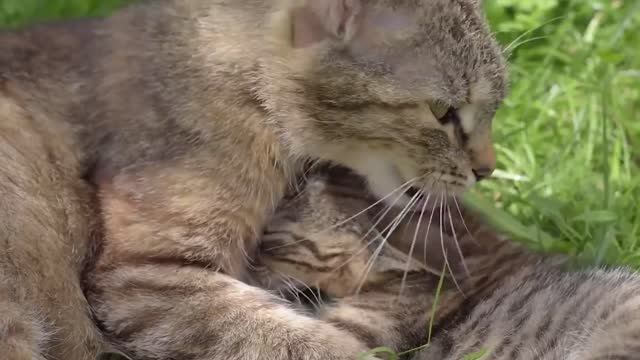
(191, 117)
(503, 300)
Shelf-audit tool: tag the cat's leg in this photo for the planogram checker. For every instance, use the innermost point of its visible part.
(394, 307)
(181, 312)
(165, 285)
(382, 318)
(44, 233)
(378, 293)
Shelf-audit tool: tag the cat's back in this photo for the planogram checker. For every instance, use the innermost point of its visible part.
(150, 70)
(551, 314)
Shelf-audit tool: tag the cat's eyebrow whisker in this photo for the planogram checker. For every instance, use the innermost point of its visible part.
(391, 227)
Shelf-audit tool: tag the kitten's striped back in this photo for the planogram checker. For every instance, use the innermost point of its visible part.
(505, 300)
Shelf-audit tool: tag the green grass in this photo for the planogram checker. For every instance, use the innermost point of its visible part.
(18, 12)
(568, 136)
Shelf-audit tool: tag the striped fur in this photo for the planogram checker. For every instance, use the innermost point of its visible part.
(505, 300)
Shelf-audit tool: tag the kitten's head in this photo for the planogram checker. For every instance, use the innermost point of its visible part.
(321, 238)
(398, 90)
(330, 237)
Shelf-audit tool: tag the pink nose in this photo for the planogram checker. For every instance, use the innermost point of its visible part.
(483, 161)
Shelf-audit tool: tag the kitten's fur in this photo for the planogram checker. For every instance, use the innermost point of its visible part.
(191, 117)
(511, 303)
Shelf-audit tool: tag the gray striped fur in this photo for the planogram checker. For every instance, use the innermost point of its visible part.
(510, 302)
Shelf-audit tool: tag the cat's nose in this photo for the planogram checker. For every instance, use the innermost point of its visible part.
(482, 173)
(483, 161)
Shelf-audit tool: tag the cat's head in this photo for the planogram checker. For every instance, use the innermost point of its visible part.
(321, 238)
(328, 236)
(402, 91)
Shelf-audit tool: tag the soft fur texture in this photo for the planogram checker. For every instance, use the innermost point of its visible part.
(45, 223)
(502, 299)
(191, 117)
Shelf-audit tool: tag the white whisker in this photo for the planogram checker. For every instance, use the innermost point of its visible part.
(391, 227)
(413, 243)
(426, 238)
(464, 223)
(457, 243)
(372, 229)
(315, 301)
(444, 251)
(402, 187)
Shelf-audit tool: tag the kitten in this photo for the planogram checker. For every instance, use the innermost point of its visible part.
(502, 300)
(191, 117)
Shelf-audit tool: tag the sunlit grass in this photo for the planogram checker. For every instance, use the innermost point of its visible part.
(568, 136)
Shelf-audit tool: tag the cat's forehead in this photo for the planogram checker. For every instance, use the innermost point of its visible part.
(417, 50)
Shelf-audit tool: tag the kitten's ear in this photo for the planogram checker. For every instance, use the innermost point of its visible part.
(318, 20)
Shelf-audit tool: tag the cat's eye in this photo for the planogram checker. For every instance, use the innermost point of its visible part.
(445, 114)
(450, 117)
(438, 109)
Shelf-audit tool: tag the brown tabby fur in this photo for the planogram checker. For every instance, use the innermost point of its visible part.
(502, 299)
(191, 117)
(379, 294)
(45, 218)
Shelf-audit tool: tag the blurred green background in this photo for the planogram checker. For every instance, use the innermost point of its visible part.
(568, 136)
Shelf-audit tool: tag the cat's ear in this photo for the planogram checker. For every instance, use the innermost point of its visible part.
(318, 20)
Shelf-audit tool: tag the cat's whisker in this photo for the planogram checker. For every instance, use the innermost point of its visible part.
(464, 223)
(319, 297)
(402, 188)
(388, 208)
(456, 241)
(391, 228)
(290, 287)
(508, 50)
(426, 176)
(298, 182)
(372, 229)
(413, 243)
(383, 239)
(315, 301)
(444, 251)
(426, 239)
